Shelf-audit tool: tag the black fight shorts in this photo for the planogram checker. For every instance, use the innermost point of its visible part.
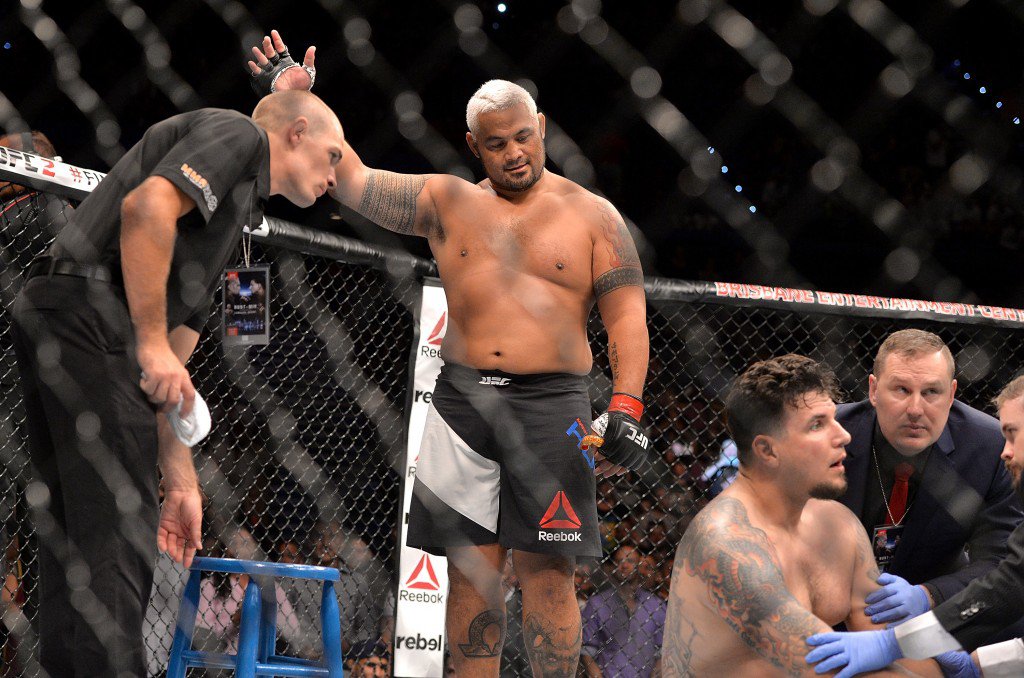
(500, 462)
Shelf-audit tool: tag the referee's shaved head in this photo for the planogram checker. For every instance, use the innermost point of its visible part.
(276, 110)
(306, 144)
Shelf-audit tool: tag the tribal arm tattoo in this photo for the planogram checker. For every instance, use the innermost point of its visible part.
(621, 250)
(617, 245)
(554, 650)
(389, 200)
(616, 278)
(617, 265)
(744, 581)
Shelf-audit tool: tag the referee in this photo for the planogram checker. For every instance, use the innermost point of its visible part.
(102, 330)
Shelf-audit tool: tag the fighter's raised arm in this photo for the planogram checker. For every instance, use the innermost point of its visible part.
(403, 203)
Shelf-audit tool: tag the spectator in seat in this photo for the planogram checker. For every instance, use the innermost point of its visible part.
(623, 625)
(369, 660)
(221, 596)
(360, 609)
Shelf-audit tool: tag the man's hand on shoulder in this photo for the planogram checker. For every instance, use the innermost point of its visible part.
(274, 68)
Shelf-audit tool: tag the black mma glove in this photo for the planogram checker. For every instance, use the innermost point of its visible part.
(264, 82)
(617, 433)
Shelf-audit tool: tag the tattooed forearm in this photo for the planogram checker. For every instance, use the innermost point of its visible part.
(616, 278)
(740, 567)
(389, 199)
(613, 359)
(621, 250)
(487, 624)
(677, 650)
(554, 650)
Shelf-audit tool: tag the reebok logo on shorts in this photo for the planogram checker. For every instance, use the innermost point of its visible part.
(495, 381)
(560, 516)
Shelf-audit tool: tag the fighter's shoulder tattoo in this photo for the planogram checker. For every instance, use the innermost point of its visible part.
(615, 236)
(389, 200)
(742, 572)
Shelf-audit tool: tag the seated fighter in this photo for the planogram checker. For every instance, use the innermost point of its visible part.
(773, 559)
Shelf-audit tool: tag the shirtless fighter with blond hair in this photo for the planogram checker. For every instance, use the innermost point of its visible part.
(523, 256)
(773, 559)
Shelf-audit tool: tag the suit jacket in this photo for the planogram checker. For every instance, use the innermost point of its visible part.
(965, 499)
(989, 603)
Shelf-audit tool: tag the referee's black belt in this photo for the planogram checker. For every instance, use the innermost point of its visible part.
(49, 266)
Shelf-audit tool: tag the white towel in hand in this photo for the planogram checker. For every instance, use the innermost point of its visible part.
(192, 429)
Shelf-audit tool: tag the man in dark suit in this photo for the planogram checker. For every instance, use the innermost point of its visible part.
(925, 478)
(966, 620)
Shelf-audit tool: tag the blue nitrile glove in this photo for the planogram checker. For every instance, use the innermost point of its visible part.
(897, 601)
(957, 664)
(858, 652)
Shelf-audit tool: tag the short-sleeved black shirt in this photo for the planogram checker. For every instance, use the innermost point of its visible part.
(220, 159)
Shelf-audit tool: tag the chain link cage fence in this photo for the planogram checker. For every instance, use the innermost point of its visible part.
(303, 463)
(744, 137)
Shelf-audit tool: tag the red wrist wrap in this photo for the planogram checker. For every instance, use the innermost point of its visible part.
(623, 402)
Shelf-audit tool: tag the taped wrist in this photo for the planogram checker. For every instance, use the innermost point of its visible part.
(629, 404)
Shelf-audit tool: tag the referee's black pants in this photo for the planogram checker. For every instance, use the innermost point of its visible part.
(93, 442)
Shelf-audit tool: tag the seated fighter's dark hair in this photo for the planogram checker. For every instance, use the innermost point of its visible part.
(757, 400)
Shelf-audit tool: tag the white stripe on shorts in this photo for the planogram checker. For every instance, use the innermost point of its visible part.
(460, 477)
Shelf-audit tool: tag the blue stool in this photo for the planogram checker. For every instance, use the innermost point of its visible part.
(256, 655)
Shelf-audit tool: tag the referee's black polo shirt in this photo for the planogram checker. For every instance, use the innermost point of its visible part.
(220, 159)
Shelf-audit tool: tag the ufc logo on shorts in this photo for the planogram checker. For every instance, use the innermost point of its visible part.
(495, 381)
(637, 437)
